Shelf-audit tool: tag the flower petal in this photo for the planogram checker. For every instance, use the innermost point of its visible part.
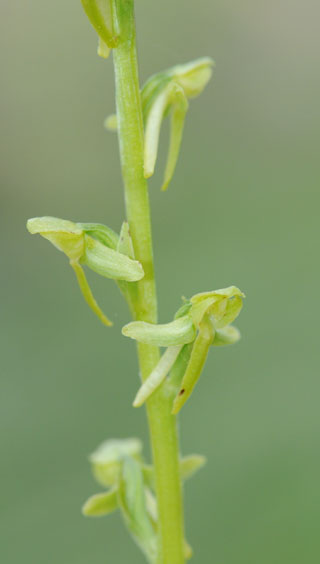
(87, 293)
(110, 263)
(158, 374)
(100, 15)
(106, 460)
(152, 128)
(195, 366)
(178, 332)
(101, 504)
(179, 110)
(63, 234)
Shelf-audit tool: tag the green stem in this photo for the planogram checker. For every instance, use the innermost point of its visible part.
(162, 425)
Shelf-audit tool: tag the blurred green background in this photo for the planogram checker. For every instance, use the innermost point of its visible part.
(243, 209)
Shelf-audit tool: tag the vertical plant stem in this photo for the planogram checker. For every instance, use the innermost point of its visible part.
(162, 424)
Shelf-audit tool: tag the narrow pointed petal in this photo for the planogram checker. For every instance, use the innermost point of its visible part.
(195, 366)
(178, 370)
(101, 504)
(87, 294)
(157, 375)
(110, 263)
(178, 115)
(152, 129)
(177, 332)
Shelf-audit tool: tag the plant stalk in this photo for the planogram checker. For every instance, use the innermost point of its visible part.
(162, 425)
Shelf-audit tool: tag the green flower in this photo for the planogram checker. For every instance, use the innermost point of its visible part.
(118, 465)
(167, 93)
(90, 244)
(204, 320)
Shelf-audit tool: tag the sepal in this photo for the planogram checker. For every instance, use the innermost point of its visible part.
(110, 263)
(101, 504)
(223, 306)
(102, 233)
(193, 76)
(102, 16)
(63, 234)
(178, 332)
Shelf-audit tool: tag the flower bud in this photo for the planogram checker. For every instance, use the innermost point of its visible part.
(106, 460)
(101, 14)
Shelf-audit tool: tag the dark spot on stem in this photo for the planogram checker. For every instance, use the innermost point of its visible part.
(181, 392)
